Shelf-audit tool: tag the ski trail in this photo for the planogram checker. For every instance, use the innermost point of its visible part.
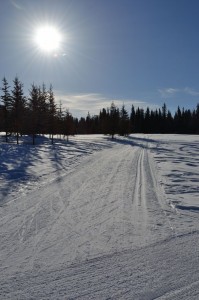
(168, 213)
(139, 195)
(150, 212)
(108, 204)
(102, 231)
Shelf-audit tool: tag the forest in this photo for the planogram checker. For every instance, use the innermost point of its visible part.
(39, 114)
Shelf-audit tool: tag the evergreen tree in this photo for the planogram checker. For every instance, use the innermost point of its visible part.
(51, 113)
(178, 121)
(164, 111)
(18, 107)
(124, 124)
(139, 120)
(103, 121)
(95, 125)
(7, 104)
(81, 128)
(132, 119)
(43, 110)
(164, 119)
(147, 121)
(169, 122)
(1, 118)
(69, 127)
(113, 120)
(154, 121)
(88, 124)
(197, 119)
(60, 120)
(34, 111)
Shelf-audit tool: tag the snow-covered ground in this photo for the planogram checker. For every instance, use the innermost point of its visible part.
(100, 219)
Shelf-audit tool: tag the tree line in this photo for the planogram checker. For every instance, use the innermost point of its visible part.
(35, 114)
(38, 114)
(118, 121)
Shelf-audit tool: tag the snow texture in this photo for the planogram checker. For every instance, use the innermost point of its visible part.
(97, 218)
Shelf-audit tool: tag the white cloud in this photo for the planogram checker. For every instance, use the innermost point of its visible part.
(80, 104)
(191, 91)
(170, 92)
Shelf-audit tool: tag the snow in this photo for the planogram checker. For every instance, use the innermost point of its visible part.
(100, 219)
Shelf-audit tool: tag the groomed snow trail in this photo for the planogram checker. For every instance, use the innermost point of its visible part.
(102, 231)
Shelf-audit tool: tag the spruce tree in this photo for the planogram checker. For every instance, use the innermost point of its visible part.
(68, 124)
(124, 124)
(60, 120)
(18, 107)
(34, 110)
(147, 121)
(51, 113)
(113, 120)
(43, 110)
(103, 121)
(132, 119)
(7, 104)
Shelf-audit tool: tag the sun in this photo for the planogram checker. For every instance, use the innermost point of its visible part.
(47, 38)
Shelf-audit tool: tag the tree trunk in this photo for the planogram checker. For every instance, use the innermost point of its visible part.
(33, 139)
(17, 138)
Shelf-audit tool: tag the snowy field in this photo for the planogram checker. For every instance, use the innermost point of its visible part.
(100, 219)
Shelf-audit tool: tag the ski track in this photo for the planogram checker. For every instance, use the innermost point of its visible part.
(102, 231)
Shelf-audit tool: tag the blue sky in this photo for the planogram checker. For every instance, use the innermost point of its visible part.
(141, 52)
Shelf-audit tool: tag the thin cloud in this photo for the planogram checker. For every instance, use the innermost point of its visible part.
(170, 92)
(80, 104)
(191, 91)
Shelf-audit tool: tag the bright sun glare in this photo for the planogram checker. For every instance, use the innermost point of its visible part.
(48, 38)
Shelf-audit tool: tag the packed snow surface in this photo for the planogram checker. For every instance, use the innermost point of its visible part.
(97, 218)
